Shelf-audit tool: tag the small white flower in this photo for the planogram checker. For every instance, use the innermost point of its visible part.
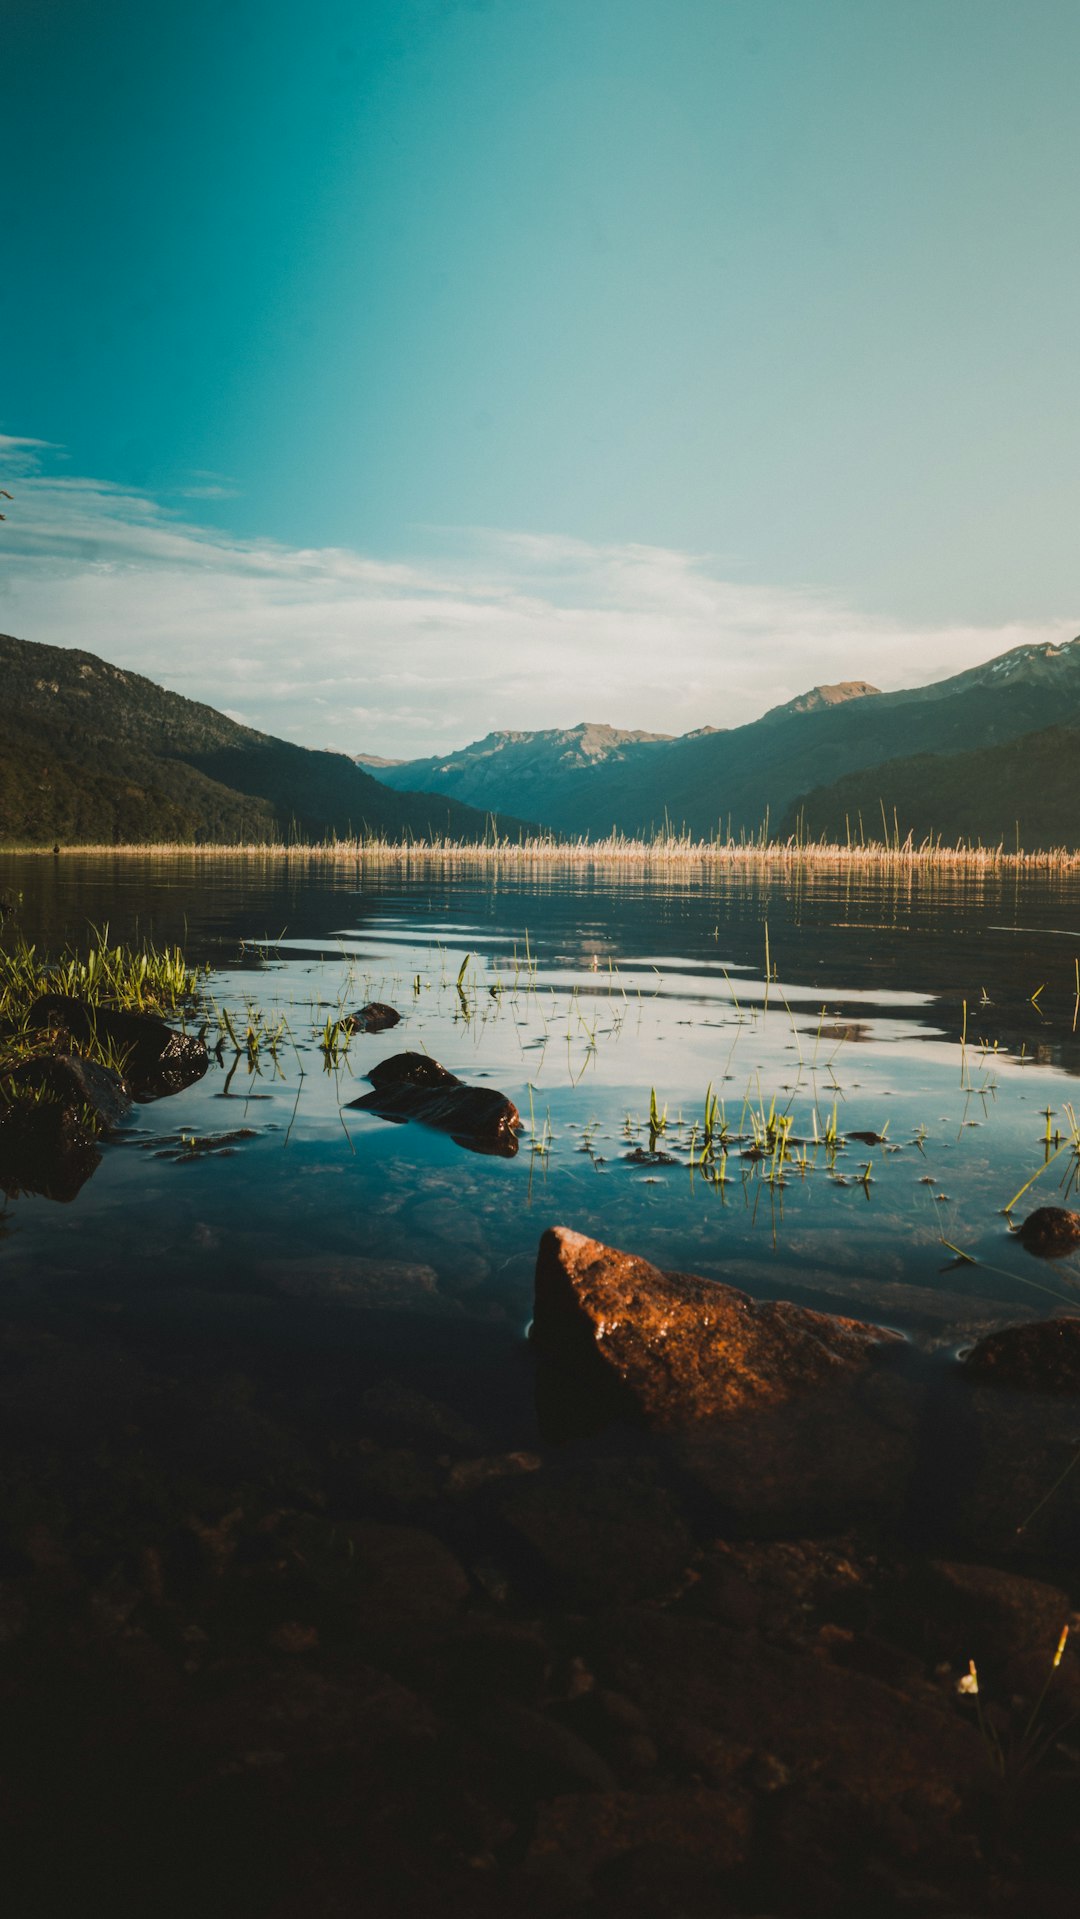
(970, 1682)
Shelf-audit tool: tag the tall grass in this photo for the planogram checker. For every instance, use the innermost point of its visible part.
(664, 853)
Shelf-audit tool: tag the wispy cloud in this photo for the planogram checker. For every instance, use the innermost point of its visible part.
(334, 647)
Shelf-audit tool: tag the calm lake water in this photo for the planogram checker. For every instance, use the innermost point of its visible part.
(586, 1000)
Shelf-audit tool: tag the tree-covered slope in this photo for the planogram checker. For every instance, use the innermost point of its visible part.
(90, 752)
(1025, 791)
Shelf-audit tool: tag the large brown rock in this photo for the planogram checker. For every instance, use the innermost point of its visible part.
(681, 1349)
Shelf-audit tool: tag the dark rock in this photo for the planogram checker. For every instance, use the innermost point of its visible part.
(1000, 1619)
(353, 1280)
(546, 1756)
(372, 1018)
(1010, 1480)
(51, 1112)
(476, 1659)
(412, 1086)
(297, 1711)
(883, 1745)
(1050, 1232)
(1043, 1357)
(157, 1059)
(400, 1415)
(577, 1836)
(378, 1578)
(681, 1349)
(74, 1084)
(596, 1531)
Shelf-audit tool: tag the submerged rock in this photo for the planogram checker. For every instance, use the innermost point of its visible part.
(1050, 1232)
(157, 1059)
(413, 1086)
(372, 1018)
(51, 1112)
(680, 1349)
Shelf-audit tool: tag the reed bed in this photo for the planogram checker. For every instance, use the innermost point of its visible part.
(673, 852)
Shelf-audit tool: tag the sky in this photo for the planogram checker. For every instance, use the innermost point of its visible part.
(387, 373)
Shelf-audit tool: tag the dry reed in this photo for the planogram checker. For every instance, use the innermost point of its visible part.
(672, 852)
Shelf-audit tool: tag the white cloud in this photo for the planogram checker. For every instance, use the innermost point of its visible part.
(326, 645)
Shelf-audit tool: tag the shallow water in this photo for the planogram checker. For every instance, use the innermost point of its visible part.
(581, 999)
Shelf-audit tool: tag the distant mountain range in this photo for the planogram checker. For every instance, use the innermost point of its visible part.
(89, 753)
(968, 756)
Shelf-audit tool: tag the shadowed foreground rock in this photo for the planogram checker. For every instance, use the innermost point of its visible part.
(51, 1112)
(413, 1086)
(157, 1059)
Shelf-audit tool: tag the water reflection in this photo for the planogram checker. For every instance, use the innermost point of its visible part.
(855, 1147)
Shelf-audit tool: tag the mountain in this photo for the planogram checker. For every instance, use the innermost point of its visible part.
(528, 770)
(733, 780)
(90, 753)
(820, 697)
(1025, 792)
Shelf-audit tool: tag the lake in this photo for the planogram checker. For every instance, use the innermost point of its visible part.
(588, 1000)
(316, 1598)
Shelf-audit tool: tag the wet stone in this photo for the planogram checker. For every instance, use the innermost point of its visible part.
(413, 1086)
(1043, 1357)
(48, 1150)
(375, 1017)
(157, 1059)
(1050, 1232)
(678, 1349)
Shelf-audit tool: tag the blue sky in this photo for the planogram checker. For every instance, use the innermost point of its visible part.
(665, 355)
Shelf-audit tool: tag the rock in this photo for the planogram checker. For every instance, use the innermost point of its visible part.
(372, 1018)
(299, 1711)
(356, 1281)
(777, 1411)
(157, 1059)
(1050, 1232)
(545, 1756)
(596, 1531)
(577, 1836)
(399, 1415)
(882, 1744)
(1009, 1480)
(1043, 1357)
(999, 1619)
(476, 1659)
(73, 1083)
(378, 1578)
(51, 1111)
(412, 1086)
(680, 1349)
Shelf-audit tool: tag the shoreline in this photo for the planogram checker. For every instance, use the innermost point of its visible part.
(612, 853)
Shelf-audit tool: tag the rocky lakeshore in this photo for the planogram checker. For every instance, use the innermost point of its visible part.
(283, 1633)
